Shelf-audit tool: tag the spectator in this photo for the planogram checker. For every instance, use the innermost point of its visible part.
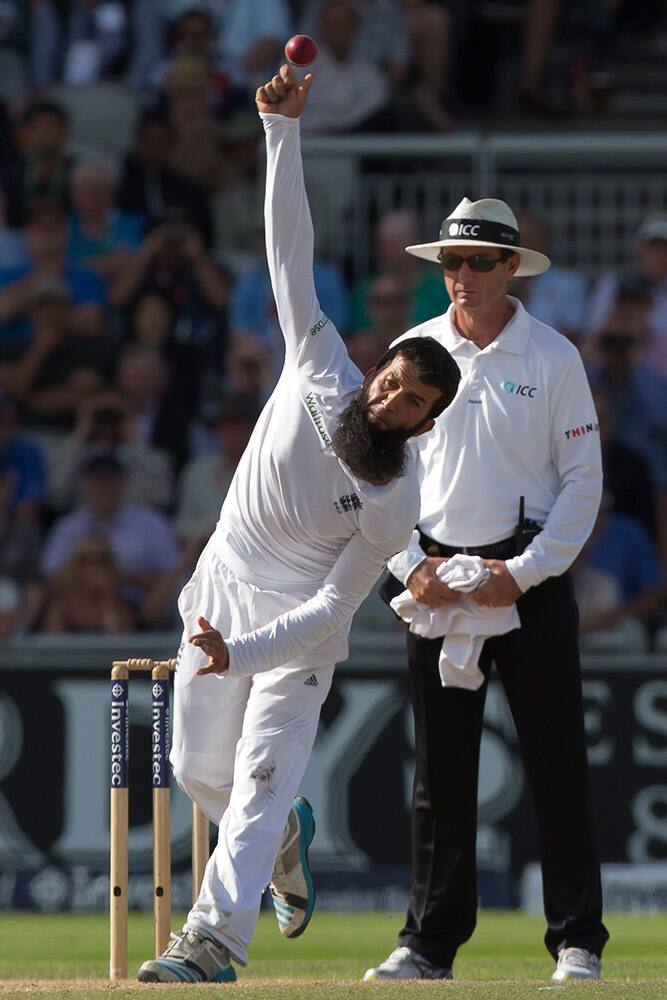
(21, 462)
(650, 277)
(153, 323)
(204, 481)
(427, 294)
(352, 93)
(539, 28)
(627, 473)
(387, 306)
(57, 367)
(46, 236)
(236, 205)
(429, 31)
(150, 188)
(252, 34)
(86, 593)
(104, 424)
(252, 309)
(100, 236)
(382, 38)
(20, 538)
(42, 171)
(194, 36)
(142, 377)
(141, 539)
(97, 42)
(194, 152)
(598, 595)
(635, 393)
(160, 608)
(249, 369)
(409, 41)
(559, 296)
(173, 260)
(620, 548)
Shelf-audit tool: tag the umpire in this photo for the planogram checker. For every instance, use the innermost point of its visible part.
(523, 425)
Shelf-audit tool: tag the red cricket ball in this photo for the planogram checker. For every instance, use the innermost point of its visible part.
(301, 50)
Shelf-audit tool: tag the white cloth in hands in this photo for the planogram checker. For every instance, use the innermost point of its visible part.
(464, 623)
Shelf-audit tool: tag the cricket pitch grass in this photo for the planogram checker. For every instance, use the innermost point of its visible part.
(65, 957)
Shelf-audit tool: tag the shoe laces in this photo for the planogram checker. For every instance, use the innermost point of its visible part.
(577, 956)
(181, 946)
(403, 954)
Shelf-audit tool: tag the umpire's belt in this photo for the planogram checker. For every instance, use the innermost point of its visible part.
(498, 550)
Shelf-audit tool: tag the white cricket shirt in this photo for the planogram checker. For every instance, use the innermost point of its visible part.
(295, 519)
(523, 424)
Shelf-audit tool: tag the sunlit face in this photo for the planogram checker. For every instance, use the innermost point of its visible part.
(396, 399)
(477, 291)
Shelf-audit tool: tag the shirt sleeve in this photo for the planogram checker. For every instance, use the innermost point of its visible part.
(295, 633)
(404, 563)
(310, 337)
(577, 458)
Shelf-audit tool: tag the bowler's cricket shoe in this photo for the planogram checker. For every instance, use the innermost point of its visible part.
(577, 963)
(292, 889)
(191, 957)
(404, 963)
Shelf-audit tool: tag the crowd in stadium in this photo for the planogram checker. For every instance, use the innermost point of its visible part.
(138, 335)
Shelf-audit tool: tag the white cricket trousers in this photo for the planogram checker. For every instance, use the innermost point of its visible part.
(240, 747)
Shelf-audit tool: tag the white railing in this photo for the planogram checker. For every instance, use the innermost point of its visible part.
(592, 190)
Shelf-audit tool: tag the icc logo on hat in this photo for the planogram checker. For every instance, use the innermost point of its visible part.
(463, 229)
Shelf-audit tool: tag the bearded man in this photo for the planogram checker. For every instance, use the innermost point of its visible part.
(324, 494)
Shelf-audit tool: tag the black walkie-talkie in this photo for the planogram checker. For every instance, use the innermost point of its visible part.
(525, 530)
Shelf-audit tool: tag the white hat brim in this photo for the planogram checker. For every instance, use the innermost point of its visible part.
(532, 261)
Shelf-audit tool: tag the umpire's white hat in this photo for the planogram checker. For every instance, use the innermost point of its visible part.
(488, 222)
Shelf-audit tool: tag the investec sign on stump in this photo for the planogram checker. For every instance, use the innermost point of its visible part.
(160, 672)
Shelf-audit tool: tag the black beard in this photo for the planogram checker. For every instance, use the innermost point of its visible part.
(373, 454)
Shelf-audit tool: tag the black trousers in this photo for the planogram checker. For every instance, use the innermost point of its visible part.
(539, 668)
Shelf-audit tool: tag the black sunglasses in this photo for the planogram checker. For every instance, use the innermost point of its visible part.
(478, 262)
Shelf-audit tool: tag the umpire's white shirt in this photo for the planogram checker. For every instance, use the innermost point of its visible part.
(523, 424)
(296, 520)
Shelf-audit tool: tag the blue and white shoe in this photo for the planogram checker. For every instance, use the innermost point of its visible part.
(191, 957)
(292, 889)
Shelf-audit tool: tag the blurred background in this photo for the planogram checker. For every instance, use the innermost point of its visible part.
(139, 340)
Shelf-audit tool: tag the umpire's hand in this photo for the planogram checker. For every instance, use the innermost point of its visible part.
(500, 589)
(210, 641)
(284, 94)
(425, 585)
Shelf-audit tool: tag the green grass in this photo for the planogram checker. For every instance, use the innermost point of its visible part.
(62, 955)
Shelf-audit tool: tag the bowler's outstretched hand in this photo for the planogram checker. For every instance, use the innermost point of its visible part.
(284, 94)
(210, 641)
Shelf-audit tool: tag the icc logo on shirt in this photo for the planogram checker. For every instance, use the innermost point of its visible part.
(512, 389)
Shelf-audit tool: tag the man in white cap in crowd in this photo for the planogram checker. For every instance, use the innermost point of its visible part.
(511, 473)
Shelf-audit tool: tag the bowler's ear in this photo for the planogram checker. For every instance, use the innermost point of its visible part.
(424, 429)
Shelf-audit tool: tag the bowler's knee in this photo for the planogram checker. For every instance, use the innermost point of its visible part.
(195, 771)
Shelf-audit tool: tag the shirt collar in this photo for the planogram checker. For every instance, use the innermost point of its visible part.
(512, 338)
